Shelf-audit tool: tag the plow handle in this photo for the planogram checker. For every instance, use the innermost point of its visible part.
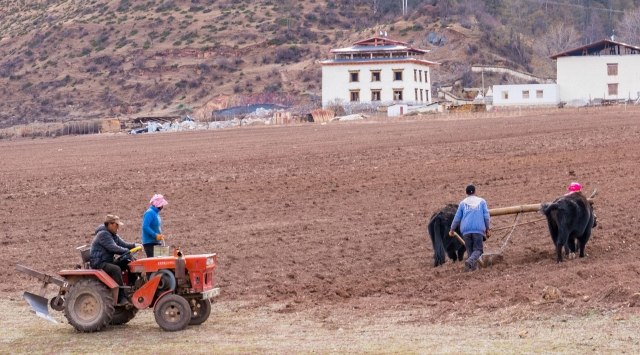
(459, 238)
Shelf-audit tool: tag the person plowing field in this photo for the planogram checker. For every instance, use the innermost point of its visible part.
(106, 244)
(473, 218)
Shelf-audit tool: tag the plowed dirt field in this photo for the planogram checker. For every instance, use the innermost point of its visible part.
(318, 218)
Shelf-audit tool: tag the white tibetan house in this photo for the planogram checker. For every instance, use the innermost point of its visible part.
(526, 95)
(606, 69)
(377, 70)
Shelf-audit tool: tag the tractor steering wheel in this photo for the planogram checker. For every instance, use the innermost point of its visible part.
(130, 255)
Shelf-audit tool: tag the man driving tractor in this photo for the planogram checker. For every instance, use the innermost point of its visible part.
(105, 245)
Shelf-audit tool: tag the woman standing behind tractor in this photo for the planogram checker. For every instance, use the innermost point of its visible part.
(152, 224)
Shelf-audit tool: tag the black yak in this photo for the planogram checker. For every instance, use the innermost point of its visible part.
(439, 226)
(570, 219)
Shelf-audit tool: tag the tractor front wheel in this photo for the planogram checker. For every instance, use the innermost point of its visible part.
(200, 311)
(123, 315)
(172, 312)
(88, 305)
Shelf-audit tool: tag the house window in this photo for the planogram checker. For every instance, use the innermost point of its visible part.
(426, 95)
(505, 95)
(415, 74)
(539, 94)
(525, 94)
(421, 97)
(354, 76)
(397, 74)
(355, 95)
(397, 94)
(613, 89)
(416, 94)
(420, 75)
(612, 69)
(375, 95)
(375, 75)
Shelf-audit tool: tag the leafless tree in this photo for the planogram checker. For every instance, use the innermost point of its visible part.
(378, 6)
(630, 28)
(557, 39)
(594, 30)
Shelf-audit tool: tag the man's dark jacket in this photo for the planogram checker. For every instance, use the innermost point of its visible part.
(105, 245)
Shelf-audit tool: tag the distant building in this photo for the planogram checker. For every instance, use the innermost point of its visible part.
(601, 70)
(397, 110)
(525, 94)
(377, 70)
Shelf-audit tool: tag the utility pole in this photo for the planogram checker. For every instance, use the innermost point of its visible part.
(483, 95)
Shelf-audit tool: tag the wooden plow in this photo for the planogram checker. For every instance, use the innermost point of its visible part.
(490, 258)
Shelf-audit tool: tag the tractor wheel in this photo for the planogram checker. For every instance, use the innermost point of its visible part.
(172, 312)
(167, 281)
(122, 315)
(88, 305)
(200, 312)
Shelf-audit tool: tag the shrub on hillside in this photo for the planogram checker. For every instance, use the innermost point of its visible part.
(288, 55)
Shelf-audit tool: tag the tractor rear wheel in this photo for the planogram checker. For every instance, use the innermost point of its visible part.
(88, 305)
(200, 311)
(122, 315)
(172, 312)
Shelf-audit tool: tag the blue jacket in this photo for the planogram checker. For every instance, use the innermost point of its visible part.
(105, 245)
(472, 216)
(151, 226)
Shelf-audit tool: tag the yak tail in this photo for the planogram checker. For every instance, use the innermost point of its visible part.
(438, 244)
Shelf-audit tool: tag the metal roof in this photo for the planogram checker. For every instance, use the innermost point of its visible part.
(596, 47)
(378, 39)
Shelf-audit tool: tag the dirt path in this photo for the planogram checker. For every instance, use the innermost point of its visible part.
(238, 329)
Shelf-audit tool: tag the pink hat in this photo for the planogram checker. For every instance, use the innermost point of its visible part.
(575, 187)
(158, 201)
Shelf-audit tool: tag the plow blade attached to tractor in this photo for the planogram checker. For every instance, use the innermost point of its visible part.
(39, 303)
(40, 306)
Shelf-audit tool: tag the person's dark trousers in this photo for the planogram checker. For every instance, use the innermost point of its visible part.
(115, 271)
(473, 242)
(148, 249)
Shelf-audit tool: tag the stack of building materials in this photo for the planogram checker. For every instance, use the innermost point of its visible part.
(322, 115)
(110, 126)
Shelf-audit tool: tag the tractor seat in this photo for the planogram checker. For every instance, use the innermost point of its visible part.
(85, 255)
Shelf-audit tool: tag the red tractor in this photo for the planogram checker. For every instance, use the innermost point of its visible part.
(179, 288)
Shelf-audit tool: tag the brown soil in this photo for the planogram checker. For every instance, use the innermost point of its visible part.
(315, 216)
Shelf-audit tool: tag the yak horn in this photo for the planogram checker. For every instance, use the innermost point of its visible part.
(595, 191)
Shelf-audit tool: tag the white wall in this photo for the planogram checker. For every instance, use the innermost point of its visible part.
(336, 85)
(585, 77)
(397, 110)
(550, 94)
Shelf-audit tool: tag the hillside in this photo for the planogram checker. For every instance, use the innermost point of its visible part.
(78, 59)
